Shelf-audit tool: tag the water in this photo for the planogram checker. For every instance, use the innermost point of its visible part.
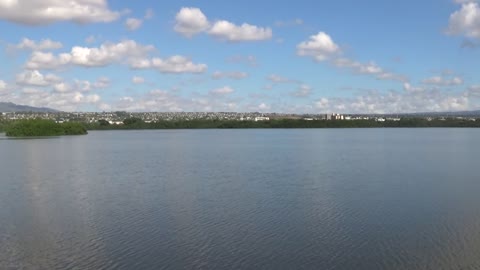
(242, 199)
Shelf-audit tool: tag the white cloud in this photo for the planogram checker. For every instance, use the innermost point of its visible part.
(34, 12)
(369, 68)
(81, 86)
(62, 87)
(173, 64)
(43, 45)
(90, 39)
(264, 107)
(228, 31)
(442, 81)
(42, 60)
(473, 91)
(411, 89)
(104, 55)
(149, 14)
(107, 53)
(320, 46)
(101, 83)
(222, 91)
(128, 51)
(274, 78)
(465, 21)
(302, 91)
(94, 98)
(3, 86)
(236, 75)
(190, 21)
(133, 24)
(60, 99)
(138, 80)
(295, 22)
(248, 60)
(87, 86)
(322, 104)
(35, 78)
(412, 99)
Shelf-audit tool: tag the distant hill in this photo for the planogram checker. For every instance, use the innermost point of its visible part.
(11, 107)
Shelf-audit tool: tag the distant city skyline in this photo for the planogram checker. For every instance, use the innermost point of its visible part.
(239, 56)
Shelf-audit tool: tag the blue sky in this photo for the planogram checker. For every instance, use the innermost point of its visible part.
(269, 56)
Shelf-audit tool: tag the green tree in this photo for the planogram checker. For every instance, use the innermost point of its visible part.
(133, 121)
(103, 123)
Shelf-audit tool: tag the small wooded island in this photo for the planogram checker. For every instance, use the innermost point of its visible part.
(41, 127)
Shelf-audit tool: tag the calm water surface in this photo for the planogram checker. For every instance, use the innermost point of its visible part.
(242, 199)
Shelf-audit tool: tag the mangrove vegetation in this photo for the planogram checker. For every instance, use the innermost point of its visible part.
(42, 127)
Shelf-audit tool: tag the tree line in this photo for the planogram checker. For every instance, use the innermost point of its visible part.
(137, 123)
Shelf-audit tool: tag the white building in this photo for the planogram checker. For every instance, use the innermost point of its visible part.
(261, 118)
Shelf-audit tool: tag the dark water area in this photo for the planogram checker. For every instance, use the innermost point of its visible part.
(242, 199)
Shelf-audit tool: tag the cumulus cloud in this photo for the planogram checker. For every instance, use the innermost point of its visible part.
(473, 91)
(236, 75)
(320, 46)
(35, 78)
(104, 55)
(442, 81)
(228, 31)
(222, 91)
(465, 21)
(61, 87)
(129, 52)
(101, 83)
(64, 100)
(133, 24)
(302, 91)
(161, 100)
(138, 80)
(43, 60)
(81, 86)
(3, 86)
(34, 12)
(274, 78)
(173, 64)
(42, 45)
(370, 68)
(190, 21)
(264, 107)
(248, 60)
(107, 53)
(412, 99)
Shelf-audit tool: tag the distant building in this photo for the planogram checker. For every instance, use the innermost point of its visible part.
(261, 118)
(337, 116)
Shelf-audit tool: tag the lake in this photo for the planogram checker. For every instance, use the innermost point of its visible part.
(242, 199)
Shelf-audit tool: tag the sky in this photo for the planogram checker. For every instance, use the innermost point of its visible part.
(306, 56)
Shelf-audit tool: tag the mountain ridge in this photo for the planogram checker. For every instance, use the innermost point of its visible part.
(12, 107)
